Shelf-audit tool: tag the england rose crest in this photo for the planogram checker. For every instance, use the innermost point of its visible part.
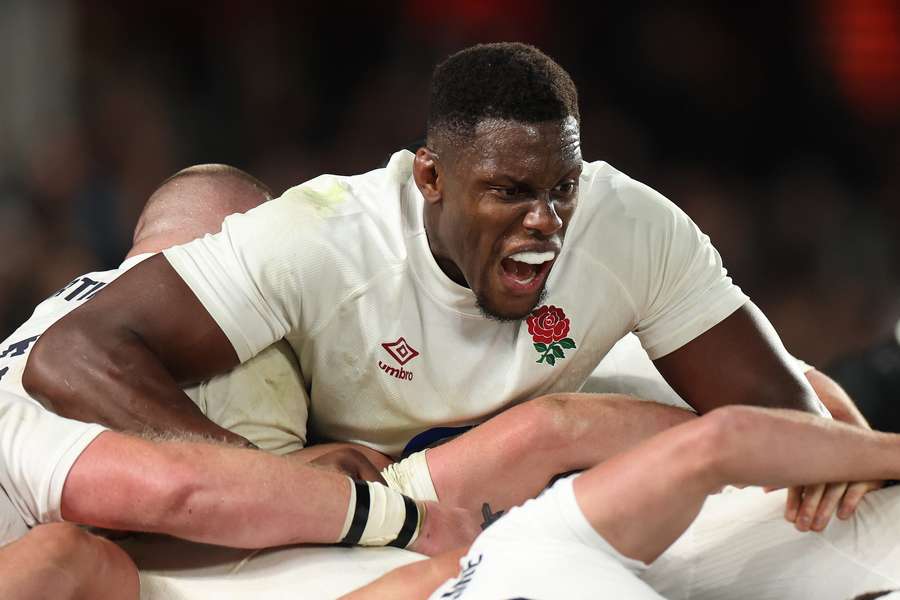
(549, 329)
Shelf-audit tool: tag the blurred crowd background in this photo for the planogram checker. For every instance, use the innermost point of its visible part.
(775, 125)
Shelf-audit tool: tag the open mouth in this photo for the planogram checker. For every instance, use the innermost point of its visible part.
(524, 271)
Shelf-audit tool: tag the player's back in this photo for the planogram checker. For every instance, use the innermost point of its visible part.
(15, 349)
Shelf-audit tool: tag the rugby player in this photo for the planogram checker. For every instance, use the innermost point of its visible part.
(491, 267)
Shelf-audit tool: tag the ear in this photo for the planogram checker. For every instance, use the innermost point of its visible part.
(428, 175)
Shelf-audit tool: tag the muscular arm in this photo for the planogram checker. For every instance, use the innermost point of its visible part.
(642, 500)
(120, 358)
(224, 495)
(203, 492)
(739, 361)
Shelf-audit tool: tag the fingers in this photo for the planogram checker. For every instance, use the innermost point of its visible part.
(830, 500)
(812, 507)
(350, 462)
(794, 496)
(812, 495)
(854, 494)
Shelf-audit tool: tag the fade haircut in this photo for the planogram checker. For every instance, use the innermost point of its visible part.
(509, 81)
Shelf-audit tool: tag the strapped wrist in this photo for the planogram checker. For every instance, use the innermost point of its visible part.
(380, 516)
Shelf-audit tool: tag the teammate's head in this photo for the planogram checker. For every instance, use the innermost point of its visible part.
(500, 171)
(194, 202)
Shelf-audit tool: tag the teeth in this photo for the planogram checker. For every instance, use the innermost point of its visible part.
(532, 258)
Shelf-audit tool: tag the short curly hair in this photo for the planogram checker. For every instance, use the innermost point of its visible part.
(508, 80)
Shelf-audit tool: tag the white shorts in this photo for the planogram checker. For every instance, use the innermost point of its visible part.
(545, 549)
(740, 547)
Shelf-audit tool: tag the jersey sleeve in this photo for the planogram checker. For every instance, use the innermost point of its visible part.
(675, 277)
(37, 450)
(250, 276)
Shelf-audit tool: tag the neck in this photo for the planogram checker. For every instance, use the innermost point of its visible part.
(449, 268)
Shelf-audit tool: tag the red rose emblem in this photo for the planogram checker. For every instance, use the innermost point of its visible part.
(549, 326)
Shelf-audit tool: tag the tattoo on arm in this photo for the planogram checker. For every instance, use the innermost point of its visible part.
(489, 517)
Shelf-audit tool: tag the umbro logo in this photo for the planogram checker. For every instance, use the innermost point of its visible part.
(401, 352)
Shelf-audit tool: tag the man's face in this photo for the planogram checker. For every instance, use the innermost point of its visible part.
(506, 200)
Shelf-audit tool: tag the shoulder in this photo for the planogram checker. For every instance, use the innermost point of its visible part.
(375, 191)
(612, 195)
(618, 215)
(362, 205)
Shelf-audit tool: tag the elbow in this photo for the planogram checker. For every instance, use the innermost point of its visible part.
(720, 437)
(39, 373)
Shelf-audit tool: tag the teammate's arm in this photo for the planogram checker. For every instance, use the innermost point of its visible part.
(835, 399)
(812, 507)
(414, 581)
(228, 496)
(642, 500)
(121, 358)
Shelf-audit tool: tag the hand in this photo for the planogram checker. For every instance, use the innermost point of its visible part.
(445, 527)
(350, 462)
(811, 507)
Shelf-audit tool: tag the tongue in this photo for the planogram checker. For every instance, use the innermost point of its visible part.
(519, 270)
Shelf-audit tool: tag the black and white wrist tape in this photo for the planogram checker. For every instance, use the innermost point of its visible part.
(380, 516)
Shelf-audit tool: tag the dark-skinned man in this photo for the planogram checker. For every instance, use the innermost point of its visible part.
(492, 267)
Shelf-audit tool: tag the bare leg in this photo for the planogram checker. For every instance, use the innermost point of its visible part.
(512, 457)
(62, 562)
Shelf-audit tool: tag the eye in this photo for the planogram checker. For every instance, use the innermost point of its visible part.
(507, 192)
(565, 189)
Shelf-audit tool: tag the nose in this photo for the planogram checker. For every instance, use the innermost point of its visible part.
(542, 217)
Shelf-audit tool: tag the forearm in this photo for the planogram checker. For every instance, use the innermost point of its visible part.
(111, 377)
(513, 456)
(739, 361)
(204, 492)
(835, 399)
(784, 448)
(640, 511)
(413, 581)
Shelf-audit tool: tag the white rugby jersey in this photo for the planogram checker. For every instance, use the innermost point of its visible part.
(391, 348)
(37, 450)
(263, 400)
